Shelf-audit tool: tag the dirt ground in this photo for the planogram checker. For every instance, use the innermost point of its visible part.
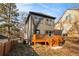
(42, 50)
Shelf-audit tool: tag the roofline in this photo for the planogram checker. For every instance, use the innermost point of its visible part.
(63, 15)
(38, 14)
(41, 14)
(73, 9)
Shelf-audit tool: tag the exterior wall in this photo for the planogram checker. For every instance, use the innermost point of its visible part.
(43, 26)
(27, 31)
(74, 31)
(67, 23)
(46, 25)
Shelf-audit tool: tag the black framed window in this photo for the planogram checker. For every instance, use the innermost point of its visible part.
(37, 31)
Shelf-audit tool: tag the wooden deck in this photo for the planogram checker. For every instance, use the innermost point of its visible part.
(52, 41)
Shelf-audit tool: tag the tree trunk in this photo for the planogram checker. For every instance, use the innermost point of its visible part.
(9, 22)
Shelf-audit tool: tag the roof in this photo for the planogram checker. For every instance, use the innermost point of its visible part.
(73, 9)
(3, 37)
(57, 32)
(39, 14)
(64, 13)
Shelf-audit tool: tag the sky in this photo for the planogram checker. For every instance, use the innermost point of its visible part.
(52, 9)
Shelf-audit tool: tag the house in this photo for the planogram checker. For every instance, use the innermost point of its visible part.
(69, 23)
(38, 23)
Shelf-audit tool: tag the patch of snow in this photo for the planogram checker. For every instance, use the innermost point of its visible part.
(57, 47)
(2, 23)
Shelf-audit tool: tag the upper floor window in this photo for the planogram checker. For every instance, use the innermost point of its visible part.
(37, 19)
(68, 17)
(49, 22)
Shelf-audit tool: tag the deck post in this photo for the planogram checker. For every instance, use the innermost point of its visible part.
(45, 43)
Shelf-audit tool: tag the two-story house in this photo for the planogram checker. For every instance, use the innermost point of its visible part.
(38, 23)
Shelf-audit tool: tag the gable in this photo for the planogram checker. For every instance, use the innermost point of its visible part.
(67, 20)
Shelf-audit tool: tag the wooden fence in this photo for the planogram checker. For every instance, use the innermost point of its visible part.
(6, 47)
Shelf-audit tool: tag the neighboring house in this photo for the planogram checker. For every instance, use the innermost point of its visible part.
(69, 23)
(38, 23)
